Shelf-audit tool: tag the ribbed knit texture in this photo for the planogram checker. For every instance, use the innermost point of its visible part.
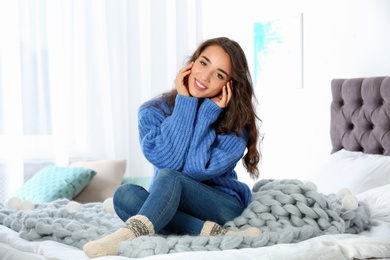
(187, 142)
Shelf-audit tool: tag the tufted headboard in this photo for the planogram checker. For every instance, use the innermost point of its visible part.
(360, 115)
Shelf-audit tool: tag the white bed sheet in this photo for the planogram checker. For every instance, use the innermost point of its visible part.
(369, 244)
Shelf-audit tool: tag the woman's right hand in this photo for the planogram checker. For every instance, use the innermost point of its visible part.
(180, 84)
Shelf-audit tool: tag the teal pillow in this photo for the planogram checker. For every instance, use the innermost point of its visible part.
(141, 181)
(54, 182)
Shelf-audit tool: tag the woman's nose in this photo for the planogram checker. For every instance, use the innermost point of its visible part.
(206, 75)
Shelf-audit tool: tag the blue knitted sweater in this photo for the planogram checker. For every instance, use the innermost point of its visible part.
(185, 140)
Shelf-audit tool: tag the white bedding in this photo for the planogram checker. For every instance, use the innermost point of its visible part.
(343, 246)
(372, 243)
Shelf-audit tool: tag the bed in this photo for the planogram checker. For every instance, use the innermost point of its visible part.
(357, 171)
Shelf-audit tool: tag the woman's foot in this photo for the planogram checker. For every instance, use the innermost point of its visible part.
(134, 227)
(213, 229)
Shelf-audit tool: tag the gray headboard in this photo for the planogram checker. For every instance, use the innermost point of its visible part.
(360, 115)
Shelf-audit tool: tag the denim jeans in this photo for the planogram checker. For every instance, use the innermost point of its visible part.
(176, 203)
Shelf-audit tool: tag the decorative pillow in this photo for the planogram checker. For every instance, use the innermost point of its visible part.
(53, 183)
(106, 181)
(356, 171)
(141, 181)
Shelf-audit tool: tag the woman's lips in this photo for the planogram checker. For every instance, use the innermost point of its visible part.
(199, 86)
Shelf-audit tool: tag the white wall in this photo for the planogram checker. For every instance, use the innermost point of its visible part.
(341, 39)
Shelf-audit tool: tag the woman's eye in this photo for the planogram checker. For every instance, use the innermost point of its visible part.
(203, 63)
(219, 76)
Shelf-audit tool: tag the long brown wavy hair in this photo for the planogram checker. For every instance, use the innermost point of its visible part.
(240, 112)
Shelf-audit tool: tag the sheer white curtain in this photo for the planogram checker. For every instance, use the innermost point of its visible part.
(73, 74)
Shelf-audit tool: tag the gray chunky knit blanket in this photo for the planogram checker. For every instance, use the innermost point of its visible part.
(287, 211)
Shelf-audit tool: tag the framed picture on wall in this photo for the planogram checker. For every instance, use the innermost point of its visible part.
(278, 53)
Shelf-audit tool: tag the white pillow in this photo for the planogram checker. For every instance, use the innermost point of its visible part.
(378, 199)
(108, 178)
(356, 171)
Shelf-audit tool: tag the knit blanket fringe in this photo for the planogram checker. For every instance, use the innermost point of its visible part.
(286, 211)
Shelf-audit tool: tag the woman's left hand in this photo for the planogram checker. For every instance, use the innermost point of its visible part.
(222, 100)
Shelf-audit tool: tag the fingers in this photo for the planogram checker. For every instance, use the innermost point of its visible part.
(183, 73)
(229, 91)
(180, 80)
(226, 94)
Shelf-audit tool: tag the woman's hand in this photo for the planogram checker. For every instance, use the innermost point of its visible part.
(222, 100)
(180, 83)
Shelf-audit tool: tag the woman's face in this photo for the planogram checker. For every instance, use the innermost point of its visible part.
(210, 72)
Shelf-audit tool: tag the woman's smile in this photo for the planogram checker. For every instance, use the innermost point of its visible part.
(199, 86)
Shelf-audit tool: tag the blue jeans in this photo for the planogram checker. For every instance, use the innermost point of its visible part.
(176, 203)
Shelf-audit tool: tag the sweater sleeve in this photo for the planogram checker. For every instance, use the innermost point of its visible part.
(211, 155)
(165, 139)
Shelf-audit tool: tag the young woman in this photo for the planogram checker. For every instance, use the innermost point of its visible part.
(194, 136)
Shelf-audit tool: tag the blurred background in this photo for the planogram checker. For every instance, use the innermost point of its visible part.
(73, 74)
